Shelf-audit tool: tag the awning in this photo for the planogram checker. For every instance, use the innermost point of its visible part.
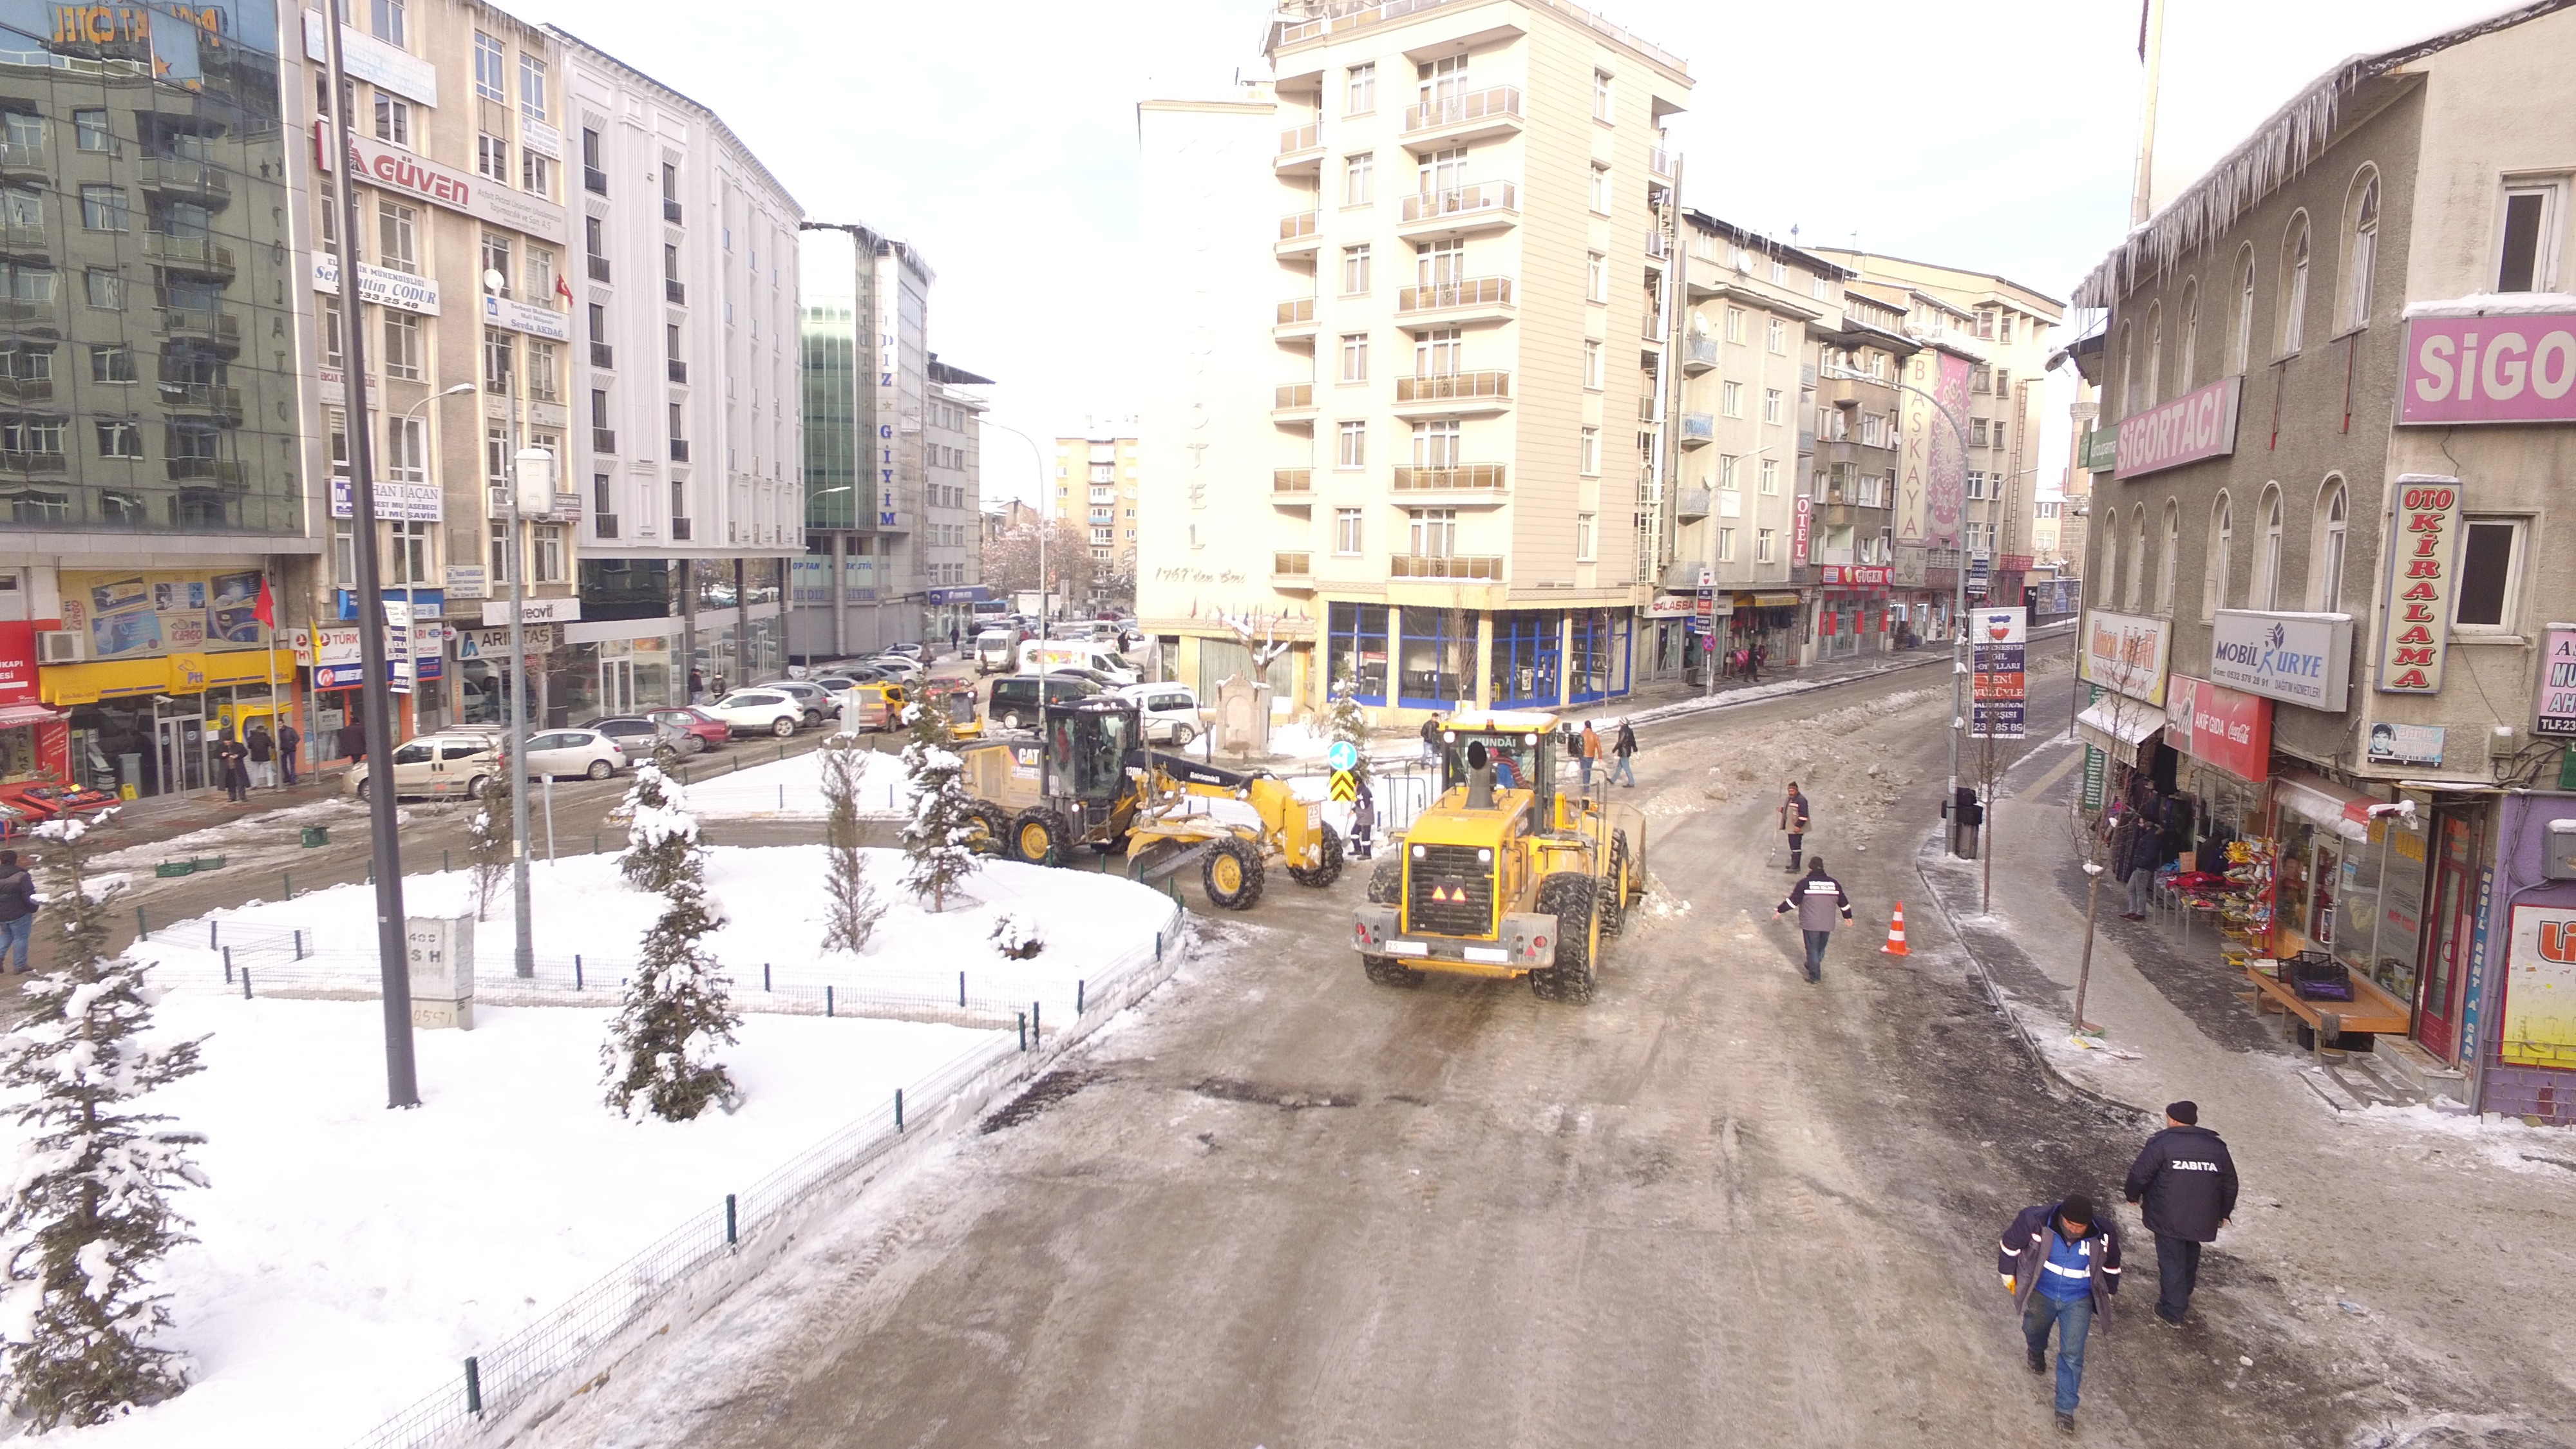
(2314, 797)
(2117, 726)
(12, 715)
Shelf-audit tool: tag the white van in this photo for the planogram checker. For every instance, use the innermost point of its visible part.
(1171, 712)
(1092, 654)
(997, 651)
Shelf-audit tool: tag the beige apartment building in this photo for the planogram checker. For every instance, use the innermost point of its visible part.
(1095, 481)
(1406, 337)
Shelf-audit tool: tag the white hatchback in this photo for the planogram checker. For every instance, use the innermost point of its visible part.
(1171, 712)
(553, 754)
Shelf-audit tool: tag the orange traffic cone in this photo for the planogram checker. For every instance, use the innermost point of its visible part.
(1896, 935)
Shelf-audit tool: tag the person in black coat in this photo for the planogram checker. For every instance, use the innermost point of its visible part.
(2185, 1181)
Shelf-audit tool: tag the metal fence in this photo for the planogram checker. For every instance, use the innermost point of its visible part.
(509, 1374)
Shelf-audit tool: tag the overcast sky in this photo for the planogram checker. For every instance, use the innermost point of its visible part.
(999, 136)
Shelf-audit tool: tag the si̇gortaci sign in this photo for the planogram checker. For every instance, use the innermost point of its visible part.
(2199, 424)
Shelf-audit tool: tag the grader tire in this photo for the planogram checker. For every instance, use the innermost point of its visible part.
(1386, 882)
(990, 829)
(1614, 909)
(1329, 868)
(1232, 875)
(1570, 899)
(1038, 836)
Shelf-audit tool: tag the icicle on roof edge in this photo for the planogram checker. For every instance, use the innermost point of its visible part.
(2276, 153)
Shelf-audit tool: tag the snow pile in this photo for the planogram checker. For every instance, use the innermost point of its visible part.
(792, 789)
(347, 1257)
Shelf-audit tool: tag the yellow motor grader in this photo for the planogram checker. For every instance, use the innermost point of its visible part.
(1087, 778)
(1509, 873)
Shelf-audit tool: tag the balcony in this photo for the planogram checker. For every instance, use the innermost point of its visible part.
(224, 471)
(679, 450)
(1698, 430)
(1658, 244)
(594, 180)
(26, 389)
(603, 440)
(191, 324)
(1456, 120)
(1486, 206)
(1292, 568)
(1806, 441)
(671, 211)
(1691, 503)
(202, 397)
(1292, 486)
(195, 255)
(1455, 392)
(1296, 319)
(1466, 483)
(1666, 164)
(1299, 231)
(23, 161)
(1846, 390)
(1479, 568)
(603, 525)
(1293, 402)
(1301, 148)
(680, 530)
(1470, 299)
(1699, 354)
(1852, 451)
(198, 180)
(1685, 574)
(677, 370)
(23, 239)
(598, 268)
(672, 291)
(603, 355)
(17, 462)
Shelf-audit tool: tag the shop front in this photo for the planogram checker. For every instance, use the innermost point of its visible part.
(2513, 1022)
(1765, 623)
(35, 737)
(1854, 613)
(1668, 647)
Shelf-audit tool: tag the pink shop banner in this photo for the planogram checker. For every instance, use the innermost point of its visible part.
(2510, 369)
(2199, 424)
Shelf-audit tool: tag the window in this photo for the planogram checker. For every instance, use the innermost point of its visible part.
(1730, 399)
(1601, 190)
(119, 439)
(1771, 405)
(1355, 271)
(2222, 540)
(1346, 531)
(1999, 435)
(2106, 554)
(594, 176)
(532, 87)
(393, 119)
(496, 454)
(1771, 476)
(491, 68)
(1589, 459)
(2137, 569)
(500, 554)
(1734, 324)
(2267, 553)
(492, 158)
(498, 355)
(546, 553)
(1435, 443)
(1359, 95)
(2325, 581)
(2360, 249)
(402, 346)
(2187, 355)
(398, 230)
(1596, 278)
(1359, 179)
(103, 208)
(536, 173)
(540, 267)
(2155, 353)
(111, 364)
(1779, 336)
(1602, 97)
(1437, 352)
(496, 258)
(407, 450)
(388, 17)
(1779, 273)
(1976, 432)
(1433, 532)
(334, 332)
(541, 371)
(2240, 327)
(1353, 446)
(2294, 284)
(22, 206)
(2527, 259)
(2133, 388)
(1765, 542)
(1592, 363)
(407, 553)
(1726, 545)
(2168, 558)
(1583, 537)
(1726, 466)
(103, 288)
(1354, 357)
(2490, 556)
(90, 132)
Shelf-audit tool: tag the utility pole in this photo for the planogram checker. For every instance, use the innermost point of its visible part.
(523, 962)
(393, 965)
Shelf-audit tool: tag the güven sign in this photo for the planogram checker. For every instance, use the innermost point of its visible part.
(398, 170)
(2199, 424)
(2513, 369)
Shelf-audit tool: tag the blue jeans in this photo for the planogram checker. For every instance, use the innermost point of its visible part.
(2074, 1320)
(14, 936)
(1585, 761)
(1816, 954)
(1620, 774)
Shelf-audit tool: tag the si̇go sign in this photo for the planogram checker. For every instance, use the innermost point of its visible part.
(2415, 635)
(2510, 369)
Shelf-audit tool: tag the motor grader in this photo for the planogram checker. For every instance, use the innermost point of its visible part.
(1087, 778)
(1509, 873)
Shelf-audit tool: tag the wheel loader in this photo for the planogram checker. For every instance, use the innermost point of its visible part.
(1509, 873)
(1087, 778)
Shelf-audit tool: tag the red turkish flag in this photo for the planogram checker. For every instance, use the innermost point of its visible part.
(265, 611)
(562, 288)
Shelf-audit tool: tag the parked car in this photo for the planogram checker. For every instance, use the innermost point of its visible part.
(1171, 712)
(438, 766)
(908, 651)
(816, 702)
(759, 712)
(997, 651)
(634, 735)
(909, 670)
(554, 754)
(1107, 683)
(1014, 702)
(698, 730)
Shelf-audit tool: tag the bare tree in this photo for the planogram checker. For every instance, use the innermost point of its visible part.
(1011, 558)
(2091, 838)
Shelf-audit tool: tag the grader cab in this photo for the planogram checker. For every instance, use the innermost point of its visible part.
(1509, 873)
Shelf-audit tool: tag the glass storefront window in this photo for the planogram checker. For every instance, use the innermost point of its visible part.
(1433, 658)
(1358, 648)
(1526, 659)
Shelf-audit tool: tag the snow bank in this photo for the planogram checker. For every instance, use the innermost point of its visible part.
(347, 1255)
(792, 789)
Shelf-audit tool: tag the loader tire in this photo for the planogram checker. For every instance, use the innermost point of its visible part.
(1570, 899)
(1232, 875)
(1388, 971)
(1386, 882)
(1038, 836)
(1328, 867)
(1614, 909)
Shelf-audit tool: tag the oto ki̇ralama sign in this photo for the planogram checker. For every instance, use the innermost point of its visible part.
(2423, 577)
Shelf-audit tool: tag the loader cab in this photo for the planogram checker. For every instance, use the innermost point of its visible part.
(1086, 746)
(1523, 744)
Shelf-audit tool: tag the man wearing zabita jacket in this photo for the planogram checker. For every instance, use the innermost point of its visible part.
(2185, 1185)
(2061, 1265)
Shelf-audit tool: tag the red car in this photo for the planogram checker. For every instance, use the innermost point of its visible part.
(708, 731)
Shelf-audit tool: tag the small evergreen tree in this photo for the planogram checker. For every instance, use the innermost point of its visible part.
(487, 842)
(88, 1213)
(938, 840)
(662, 845)
(1346, 722)
(851, 909)
(661, 1047)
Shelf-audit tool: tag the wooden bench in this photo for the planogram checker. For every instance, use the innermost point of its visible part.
(2372, 1012)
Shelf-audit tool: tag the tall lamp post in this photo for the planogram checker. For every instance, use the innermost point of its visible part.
(1959, 585)
(402, 1080)
(531, 473)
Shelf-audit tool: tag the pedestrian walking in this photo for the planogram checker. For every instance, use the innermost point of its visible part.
(1793, 823)
(17, 912)
(1622, 750)
(1761, 656)
(1364, 821)
(232, 768)
(353, 742)
(2061, 1267)
(263, 755)
(1431, 740)
(2185, 1184)
(1821, 905)
(697, 687)
(1587, 748)
(2133, 844)
(956, 637)
(287, 743)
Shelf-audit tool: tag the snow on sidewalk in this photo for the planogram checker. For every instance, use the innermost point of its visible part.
(348, 1256)
(791, 789)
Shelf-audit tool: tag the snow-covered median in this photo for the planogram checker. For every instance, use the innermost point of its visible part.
(790, 789)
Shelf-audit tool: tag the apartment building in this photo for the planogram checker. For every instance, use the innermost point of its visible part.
(683, 461)
(2339, 368)
(152, 473)
(1095, 481)
(867, 384)
(1458, 215)
(952, 551)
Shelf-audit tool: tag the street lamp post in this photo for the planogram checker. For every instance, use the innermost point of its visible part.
(411, 577)
(523, 462)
